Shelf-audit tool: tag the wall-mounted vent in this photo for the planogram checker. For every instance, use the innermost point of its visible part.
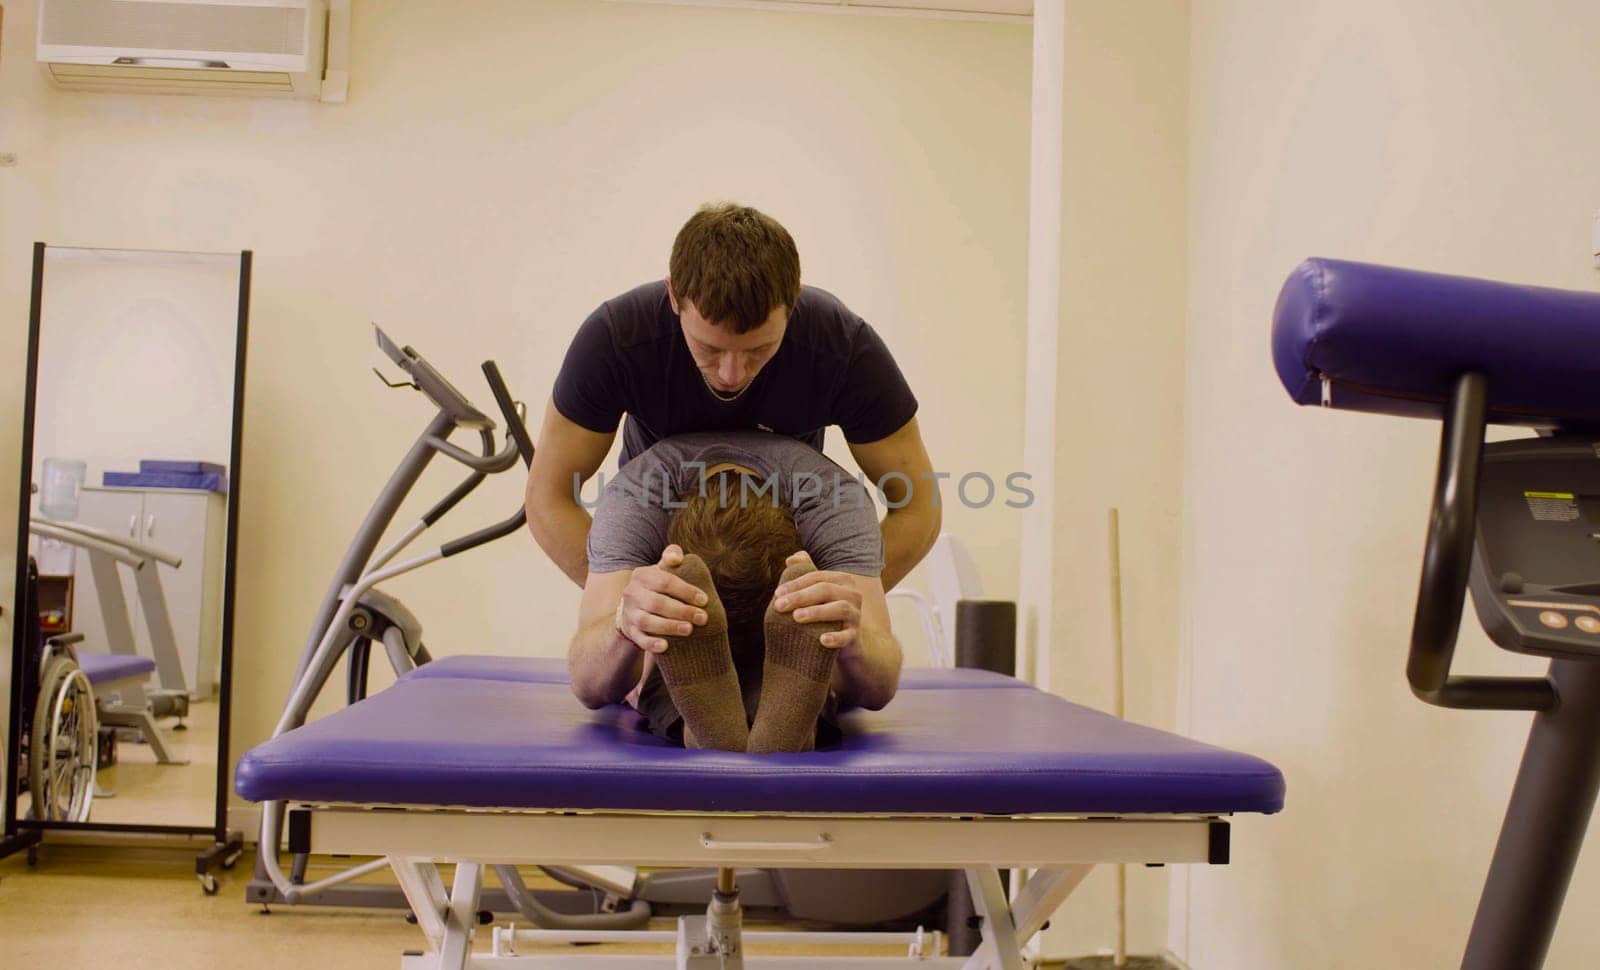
(259, 47)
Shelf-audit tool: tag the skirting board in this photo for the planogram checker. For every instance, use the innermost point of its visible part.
(246, 819)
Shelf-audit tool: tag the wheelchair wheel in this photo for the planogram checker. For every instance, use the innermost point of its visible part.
(61, 749)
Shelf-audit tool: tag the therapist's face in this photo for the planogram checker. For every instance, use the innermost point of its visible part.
(727, 360)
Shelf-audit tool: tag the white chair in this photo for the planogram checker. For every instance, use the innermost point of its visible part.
(952, 577)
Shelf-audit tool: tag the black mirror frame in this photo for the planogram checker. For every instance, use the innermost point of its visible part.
(27, 833)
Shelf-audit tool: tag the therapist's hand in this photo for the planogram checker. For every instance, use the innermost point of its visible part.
(823, 595)
(656, 603)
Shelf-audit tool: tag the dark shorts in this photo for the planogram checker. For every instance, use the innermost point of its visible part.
(664, 721)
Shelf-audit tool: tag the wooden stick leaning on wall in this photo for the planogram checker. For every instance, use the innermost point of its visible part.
(1121, 957)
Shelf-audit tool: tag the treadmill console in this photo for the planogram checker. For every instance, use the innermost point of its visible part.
(1536, 559)
(432, 383)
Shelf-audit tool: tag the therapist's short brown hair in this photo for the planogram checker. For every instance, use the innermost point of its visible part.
(735, 264)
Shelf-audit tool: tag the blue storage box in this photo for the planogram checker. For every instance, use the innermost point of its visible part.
(209, 481)
(182, 468)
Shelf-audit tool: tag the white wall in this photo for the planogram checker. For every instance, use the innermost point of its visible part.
(1117, 395)
(1119, 390)
(500, 168)
(136, 359)
(1452, 136)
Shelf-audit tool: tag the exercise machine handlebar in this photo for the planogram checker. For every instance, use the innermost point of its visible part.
(461, 491)
(516, 428)
(1447, 565)
(517, 434)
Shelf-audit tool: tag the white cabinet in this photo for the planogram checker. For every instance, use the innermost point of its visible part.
(188, 523)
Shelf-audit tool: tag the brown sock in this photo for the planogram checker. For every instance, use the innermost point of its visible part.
(699, 673)
(794, 679)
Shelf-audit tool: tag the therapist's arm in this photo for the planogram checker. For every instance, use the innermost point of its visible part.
(914, 515)
(604, 662)
(566, 456)
(867, 673)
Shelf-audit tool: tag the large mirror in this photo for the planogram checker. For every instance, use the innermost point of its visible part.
(119, 700)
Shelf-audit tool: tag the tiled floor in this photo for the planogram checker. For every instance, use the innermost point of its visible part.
(146, 793)
(143, 908)
(142, 792)
(136, 909)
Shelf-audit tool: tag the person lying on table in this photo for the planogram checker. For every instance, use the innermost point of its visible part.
(733, 595)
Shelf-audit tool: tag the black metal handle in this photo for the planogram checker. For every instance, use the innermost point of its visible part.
(519, 433)
(1447, 564)
(514, 426)
(461, 491)
(488, 534)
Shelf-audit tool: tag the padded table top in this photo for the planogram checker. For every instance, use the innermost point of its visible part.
(551, 670)
(103, 668)
(1395, 340)
(978, 751)
(527, 670)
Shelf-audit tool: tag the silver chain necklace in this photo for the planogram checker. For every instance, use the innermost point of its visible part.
(718, 394)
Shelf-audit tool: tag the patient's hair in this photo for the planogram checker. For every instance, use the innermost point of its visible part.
(735, 264)
(744, 540)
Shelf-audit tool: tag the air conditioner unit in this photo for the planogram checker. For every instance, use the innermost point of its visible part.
(274, 48)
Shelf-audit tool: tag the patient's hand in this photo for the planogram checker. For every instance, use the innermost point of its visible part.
(822, 596)
(656, 603)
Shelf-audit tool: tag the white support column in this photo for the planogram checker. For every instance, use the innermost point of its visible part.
(1046, 890)
(113, 603)
(461, 919)
(137, 716)
(1001, 948)
(1044, 324)
(425, 892)
(158, 623)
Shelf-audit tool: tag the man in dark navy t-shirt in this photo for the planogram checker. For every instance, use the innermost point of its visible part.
(731, 340)
(633, 357)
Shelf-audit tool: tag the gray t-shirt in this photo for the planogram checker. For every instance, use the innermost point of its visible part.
(833, 512)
